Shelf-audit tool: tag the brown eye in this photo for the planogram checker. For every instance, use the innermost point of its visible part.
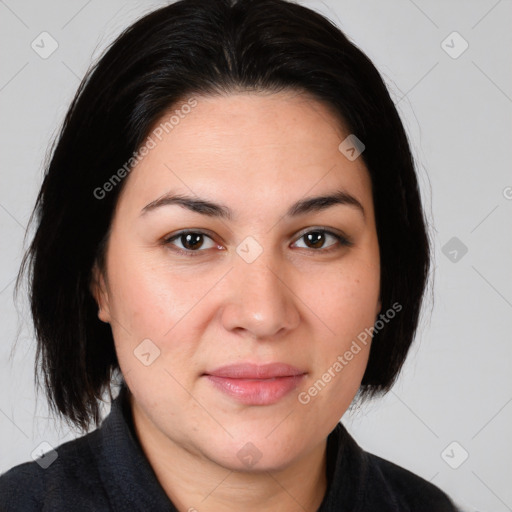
(315, 239)
(191, 242)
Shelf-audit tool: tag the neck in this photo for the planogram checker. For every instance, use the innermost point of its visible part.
(195, 483)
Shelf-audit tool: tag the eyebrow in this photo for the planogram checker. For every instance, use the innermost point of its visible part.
(211, 209)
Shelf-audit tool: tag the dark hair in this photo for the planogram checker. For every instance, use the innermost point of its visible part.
(206, 47)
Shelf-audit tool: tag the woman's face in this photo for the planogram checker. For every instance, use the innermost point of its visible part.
(229, 328)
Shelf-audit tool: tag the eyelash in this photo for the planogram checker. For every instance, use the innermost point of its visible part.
(342, 241)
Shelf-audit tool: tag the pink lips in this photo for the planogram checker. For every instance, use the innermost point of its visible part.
(254, 384)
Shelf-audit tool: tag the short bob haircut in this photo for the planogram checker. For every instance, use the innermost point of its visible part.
(206, 47)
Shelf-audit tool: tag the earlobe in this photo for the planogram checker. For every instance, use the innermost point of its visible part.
(103, 315)
(100, 294)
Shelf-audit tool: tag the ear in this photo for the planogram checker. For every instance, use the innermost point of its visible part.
(99, 291)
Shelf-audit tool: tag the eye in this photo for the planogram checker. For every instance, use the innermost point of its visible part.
(191, 242)
(316, 238)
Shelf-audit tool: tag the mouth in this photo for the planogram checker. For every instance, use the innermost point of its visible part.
(253, 384)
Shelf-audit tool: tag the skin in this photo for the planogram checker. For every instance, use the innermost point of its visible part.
(295, 303)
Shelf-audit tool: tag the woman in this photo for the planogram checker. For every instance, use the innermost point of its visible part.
(231, 223)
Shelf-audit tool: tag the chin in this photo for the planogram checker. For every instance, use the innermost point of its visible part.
(256, 453)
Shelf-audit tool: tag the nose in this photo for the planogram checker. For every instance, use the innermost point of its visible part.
(260, 300)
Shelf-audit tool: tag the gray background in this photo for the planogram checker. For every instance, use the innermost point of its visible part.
(456, 385)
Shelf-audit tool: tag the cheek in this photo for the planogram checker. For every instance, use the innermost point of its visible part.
(141, 302)
(147, 298)
(347, 299)
(347, 303)
(149, 316)
(347, 310)
(152, 300)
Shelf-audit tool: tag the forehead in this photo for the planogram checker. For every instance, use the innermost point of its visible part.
(250, 147)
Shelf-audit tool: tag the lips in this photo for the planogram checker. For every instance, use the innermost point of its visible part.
(254, 384)
(254, 371)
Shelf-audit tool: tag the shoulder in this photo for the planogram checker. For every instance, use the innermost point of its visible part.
(14, 485)
(72, 477)
(410, 491)
(362, 481)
